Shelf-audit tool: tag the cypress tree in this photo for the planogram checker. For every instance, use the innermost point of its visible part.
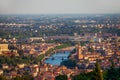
(98, 74)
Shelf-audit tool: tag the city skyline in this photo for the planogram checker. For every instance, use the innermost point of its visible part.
(59, 6)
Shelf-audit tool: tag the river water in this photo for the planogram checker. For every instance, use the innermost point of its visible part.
(57, 58)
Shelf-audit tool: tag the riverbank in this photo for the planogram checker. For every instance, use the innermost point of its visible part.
(52, 51)
(59, 56)
(68, 48)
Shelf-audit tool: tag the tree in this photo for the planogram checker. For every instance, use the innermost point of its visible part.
(112, 73)
(3, 77)
(24, 77)
(17, 78)
(97, 72)
(61, 77)
(84, 76)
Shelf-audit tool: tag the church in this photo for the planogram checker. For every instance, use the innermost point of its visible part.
(88, 55)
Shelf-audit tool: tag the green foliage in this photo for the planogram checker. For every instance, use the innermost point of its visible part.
(61, 77)
(24, 77)
(49, 51)
(63, 46)
(57, 47)
(16, 60)
(84, 76)
(97, 72)
(112, 73)
(18, 78)
(3, 77)
(40, 57)
(26, 32)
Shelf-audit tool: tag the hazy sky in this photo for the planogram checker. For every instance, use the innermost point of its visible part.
(58, 6)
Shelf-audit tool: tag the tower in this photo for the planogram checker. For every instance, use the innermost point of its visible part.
(79, 52)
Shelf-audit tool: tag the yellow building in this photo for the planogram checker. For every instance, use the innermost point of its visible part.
(3, 47)
(79, 52)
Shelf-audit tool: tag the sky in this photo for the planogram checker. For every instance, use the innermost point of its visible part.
(59, 6)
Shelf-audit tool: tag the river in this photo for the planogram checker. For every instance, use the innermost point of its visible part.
(57, 58)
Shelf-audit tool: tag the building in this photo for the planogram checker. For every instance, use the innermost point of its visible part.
(91, 56)
(3, 48)
(79, 52)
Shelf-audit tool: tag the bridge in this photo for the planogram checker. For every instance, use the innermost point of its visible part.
(68, 49)
(62, 51)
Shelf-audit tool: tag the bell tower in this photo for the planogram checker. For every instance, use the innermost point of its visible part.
(79, 52)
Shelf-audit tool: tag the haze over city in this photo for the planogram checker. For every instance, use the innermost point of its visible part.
(58, 6)
(59, 40)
